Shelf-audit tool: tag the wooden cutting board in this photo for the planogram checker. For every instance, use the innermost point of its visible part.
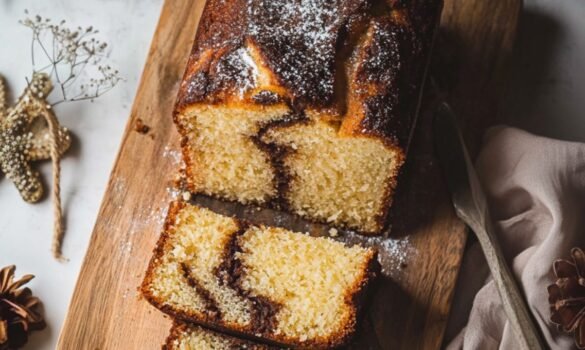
(411, 307)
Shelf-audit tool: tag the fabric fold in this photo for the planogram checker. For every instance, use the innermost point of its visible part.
(536, 192)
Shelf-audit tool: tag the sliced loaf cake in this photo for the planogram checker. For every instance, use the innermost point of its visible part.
(191, 337)
(305, 106)
(284, 287)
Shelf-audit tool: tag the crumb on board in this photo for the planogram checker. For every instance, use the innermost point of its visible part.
(333, 232)
(140, 127)
(186, 196)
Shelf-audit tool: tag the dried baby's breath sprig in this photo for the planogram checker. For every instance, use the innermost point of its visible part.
(73, 58)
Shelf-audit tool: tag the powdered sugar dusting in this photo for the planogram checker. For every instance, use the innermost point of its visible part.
(303, 33)
(310, 21)
(297, 40)
(394, 254)
(172, 153)
(174, 193)
(118, 192)
(237, 67)
(249, 61)
(149, 216)
(234, 72)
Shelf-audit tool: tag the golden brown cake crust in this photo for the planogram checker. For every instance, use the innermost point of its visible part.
(307, 47)
(260, 331)
(357, 65)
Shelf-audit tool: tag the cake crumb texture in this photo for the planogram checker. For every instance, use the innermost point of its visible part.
(264, 282)
(190, 337)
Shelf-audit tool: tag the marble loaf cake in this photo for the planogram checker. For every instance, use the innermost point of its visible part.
(191, 337)
(259, 282)
(305, 106)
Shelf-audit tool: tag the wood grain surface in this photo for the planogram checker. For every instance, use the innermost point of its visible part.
(408, 310)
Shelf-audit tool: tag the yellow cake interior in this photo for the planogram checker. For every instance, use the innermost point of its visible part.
(191, 337)
(335, 178)
(332, 173)
(197, 241)
(309, 277)
(310, 282)
(223, 159)
(197, 338)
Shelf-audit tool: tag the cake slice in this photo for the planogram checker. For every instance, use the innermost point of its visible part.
(284, 287)
(305, 106)
(191, 337)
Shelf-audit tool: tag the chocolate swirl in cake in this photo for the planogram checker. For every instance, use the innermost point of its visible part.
(211, 304)
(354, 71)
(264, 310)
(284, 287)
(188, 336)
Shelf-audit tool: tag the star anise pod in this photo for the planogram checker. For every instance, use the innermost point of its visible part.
(19, 311)
(567, 296)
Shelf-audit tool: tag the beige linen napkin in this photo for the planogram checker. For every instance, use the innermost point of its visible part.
(536, 192)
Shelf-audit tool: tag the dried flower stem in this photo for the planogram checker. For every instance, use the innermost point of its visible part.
(73, 58)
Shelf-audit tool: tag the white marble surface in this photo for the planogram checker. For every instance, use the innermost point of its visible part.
(25, 229)
(545, 96)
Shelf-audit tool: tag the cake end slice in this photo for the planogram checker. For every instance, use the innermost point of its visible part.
(191, 337)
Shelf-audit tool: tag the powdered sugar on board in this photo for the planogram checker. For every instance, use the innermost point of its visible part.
(174, 155)
(149, 214)
(393, 253)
